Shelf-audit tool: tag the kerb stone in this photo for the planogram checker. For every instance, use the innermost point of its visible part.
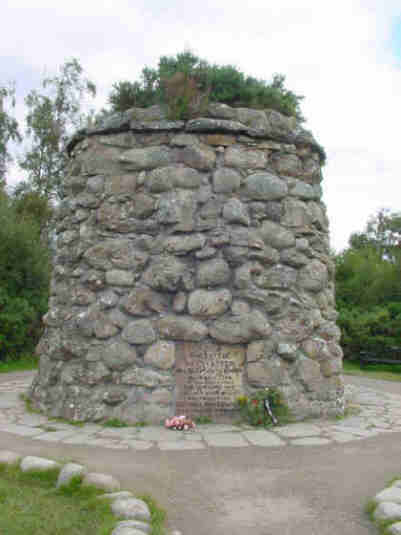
(101, 481)
(131, 508)
(39, 464)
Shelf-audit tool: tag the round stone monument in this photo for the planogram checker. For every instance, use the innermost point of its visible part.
(192, 267)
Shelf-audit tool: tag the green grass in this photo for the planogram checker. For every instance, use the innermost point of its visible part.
(203, 420)
(157, 515)
(387, 372)
(114, 422)
(370, 507)
(30, 504)
(28, 404)
(392, 481)
(29, 408)
(76, 423)
(350, 410)
(381, 525)
(26, 362)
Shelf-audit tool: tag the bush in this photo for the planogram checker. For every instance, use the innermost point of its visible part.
(365, 279)
(367, 328)
(224, 84)
(368, 298)
(24, 282)
(253, 411)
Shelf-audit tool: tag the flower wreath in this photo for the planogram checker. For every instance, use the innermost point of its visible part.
(179, 423)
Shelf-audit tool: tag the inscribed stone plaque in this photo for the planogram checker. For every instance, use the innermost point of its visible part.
(209, 378)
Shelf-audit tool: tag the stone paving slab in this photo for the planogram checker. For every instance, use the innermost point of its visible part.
(159, 433)
(219, 428)
(80, 438)
(22, 430)
(344, 437)
(193, 436)
(298, 430)
(354, 421)
(183, 445)
(54, 436)
(120, 432)
(138, 444)
(226, 440)
(310, 441)
(33, 420)
(8, 401)
(263, 438)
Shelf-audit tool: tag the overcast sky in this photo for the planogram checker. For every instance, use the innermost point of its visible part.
(343, 56)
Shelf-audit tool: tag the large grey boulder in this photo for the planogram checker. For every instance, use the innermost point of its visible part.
(101, 481)
(39, 464)
(245, 159)
(213, 273)
(265, 186)
(181, 328)
(226, 180)
(131, 508)
(387, 512)
(139, 332)
(147, 158)
(164, 273)
(276, 235)
(117, 355)
(391, 494)
(209, 303)
(161, 355)
(131, 527)
(68, 472)
(240, 329)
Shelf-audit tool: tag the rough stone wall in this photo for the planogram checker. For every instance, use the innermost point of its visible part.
(192, 267)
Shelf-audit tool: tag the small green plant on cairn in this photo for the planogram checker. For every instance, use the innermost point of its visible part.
(184, 97)
(253, 409)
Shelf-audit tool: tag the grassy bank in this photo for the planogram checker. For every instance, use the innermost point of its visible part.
(30, 504)
(386, 372)
(27, 362)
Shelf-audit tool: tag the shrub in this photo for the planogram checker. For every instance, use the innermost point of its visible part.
(221, 83)
(370, 327)
(368, 297)
(253, 411)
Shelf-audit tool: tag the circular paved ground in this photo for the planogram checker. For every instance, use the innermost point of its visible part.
(305, 479)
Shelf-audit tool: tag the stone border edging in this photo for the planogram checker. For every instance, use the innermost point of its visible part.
(385, 508)
(135, 512)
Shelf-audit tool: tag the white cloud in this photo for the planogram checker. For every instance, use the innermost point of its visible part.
(337, 54)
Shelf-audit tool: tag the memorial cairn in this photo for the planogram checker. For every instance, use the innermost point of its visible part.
(192, 268)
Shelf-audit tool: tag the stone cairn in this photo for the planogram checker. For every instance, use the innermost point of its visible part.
(192, 267)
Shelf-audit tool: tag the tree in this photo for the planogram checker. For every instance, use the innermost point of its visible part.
(24, 281)
(33, 207)
(52, 116)
(368, 286)
(221, 83)
(364, 278)
(8, 128)
(382, 233)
